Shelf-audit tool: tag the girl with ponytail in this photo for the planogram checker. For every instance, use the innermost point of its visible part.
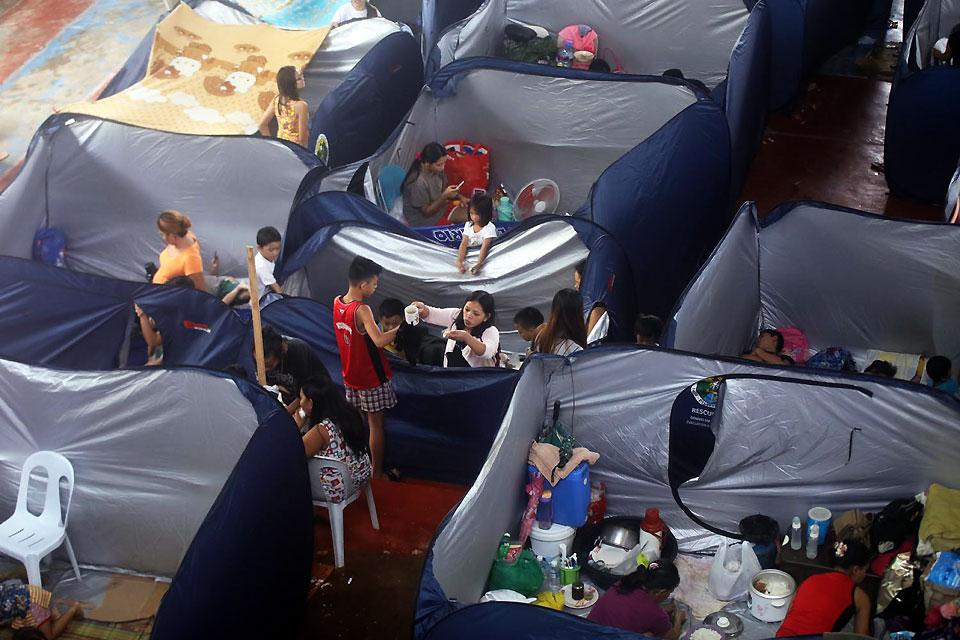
(332, 427)
(635, 603)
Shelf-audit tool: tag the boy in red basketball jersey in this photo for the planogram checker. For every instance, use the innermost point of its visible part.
(366, 374)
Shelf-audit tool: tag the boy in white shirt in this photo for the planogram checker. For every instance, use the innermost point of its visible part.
(354, 10)
(268, 250)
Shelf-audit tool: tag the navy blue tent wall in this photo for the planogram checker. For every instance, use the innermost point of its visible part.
(445, 419)
(437, 15)
(257, 539)
(75, 320)
(746, 92)
(805, 33)
(654, 199)
(371, 102)
(922, 141)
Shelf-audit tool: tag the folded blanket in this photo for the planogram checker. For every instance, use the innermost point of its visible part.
(940, 526)
(546, 457)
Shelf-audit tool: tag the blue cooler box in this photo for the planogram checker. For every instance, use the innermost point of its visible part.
(571, 496)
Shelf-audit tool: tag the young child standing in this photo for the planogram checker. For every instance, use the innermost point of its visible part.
(478, 231)
(366, 374)
(268, 250)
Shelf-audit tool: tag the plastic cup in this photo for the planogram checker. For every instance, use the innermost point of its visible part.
(412, 314)
(569, 575)
(819, 516)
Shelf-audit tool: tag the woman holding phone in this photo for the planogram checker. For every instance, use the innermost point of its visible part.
(426, 194)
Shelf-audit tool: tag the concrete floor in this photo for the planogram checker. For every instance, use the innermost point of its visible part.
(57, 52)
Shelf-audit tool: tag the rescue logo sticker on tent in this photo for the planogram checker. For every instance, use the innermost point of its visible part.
(322, 148)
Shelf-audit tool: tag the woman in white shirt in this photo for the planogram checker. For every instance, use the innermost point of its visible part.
(354, 10)
(472, 338)
(564, 332)
(478, 231)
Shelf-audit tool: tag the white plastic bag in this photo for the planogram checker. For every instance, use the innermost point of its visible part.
(734, 566)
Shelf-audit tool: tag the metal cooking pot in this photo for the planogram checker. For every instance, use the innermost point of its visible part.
(619, 535)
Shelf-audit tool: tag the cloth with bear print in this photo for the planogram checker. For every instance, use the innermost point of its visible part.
(205, 78)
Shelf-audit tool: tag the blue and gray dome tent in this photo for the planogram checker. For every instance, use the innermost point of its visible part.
(525, 267)
(340, 52)
(846, 278)
(62, 318)
(777, 442)
(179, 474)
(721, 44)
(922, 141)
(646, 159)
(103, 184)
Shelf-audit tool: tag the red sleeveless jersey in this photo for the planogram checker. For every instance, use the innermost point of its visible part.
(362, 363)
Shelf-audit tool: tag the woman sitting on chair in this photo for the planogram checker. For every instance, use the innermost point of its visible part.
(333, 428)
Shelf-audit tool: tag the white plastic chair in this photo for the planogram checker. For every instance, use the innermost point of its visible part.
(28, 537)
(350, 493)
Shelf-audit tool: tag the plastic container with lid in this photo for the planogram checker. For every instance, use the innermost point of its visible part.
(546, 542)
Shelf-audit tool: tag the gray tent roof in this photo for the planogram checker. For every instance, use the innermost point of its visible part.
(846, 278)
(150, 450)
(104, 184)
(786, 440)
(647, 36)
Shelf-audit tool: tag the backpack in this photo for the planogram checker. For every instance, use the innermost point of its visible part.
(833, 358)
(854, 525)
(897, 521)
(49, 247)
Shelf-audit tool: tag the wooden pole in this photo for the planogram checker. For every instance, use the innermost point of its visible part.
(255, 309)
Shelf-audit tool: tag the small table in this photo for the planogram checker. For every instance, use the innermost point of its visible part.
(800, 567)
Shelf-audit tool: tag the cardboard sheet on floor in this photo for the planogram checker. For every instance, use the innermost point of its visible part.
(129, 598)
(206, 78)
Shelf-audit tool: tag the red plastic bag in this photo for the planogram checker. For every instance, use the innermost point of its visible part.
(468, 163)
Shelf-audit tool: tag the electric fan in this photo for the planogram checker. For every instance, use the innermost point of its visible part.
(540, 196)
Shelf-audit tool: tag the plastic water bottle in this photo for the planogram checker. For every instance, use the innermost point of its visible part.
(504, 547)
(553, 575)
(505, 209)
(545, 569)
(545, 512)
(812, 539)
(795, 541)
(565, 55)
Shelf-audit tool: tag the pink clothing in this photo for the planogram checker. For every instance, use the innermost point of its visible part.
(636, 611)
(584, 39)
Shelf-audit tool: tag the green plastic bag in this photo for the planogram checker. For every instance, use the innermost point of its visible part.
(523, 575)
(557, 435)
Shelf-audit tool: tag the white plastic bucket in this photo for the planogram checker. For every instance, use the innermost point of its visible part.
(769, 608)
(546, 542)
